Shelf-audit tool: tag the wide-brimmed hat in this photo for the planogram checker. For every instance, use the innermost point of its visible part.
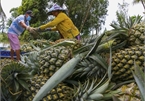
(30, 13)
(55, 7)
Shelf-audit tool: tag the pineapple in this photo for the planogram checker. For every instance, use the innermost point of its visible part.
(137, 35)
(127, 30)
(128, 46)
(60, 93)
(123, 62)
(50, 60)
(26, 47)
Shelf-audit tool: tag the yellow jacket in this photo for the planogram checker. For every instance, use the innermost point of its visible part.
(64, 25)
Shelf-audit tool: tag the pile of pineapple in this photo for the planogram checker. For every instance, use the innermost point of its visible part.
(101, 68)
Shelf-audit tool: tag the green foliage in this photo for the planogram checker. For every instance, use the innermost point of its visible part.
(3, 37)
(139, 1)
(26, 36)
(86, 15)
(37, 6)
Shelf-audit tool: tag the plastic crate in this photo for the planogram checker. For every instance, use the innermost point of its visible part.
(6, 54)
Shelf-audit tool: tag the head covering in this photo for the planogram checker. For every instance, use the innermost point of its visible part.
(55, 7)
(29, 12)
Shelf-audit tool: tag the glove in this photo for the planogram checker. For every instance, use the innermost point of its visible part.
(31, 30)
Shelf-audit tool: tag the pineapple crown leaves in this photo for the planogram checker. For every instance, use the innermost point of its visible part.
(93, 45)
(136, 19)
(124, 25)
(15, 76)
(96, 44)
(99, 60)
(35, 47)
(101, 91)
(97, 65)
(92, 90)
(91, 66)
(107, 44)
(139, 77)
(125, 22)
(31, 61)
(63, 43)
(82, 49)
(89, 40)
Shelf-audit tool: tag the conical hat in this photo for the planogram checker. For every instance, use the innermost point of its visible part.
(55, 7)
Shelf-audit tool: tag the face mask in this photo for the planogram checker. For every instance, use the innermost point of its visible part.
(28, 18)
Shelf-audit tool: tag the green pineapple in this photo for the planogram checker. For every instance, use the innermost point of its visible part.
(123, 62)
(136, 35)
(52, 59)
(129, 31)
(60, 93)
(128, 46)
(49, 61)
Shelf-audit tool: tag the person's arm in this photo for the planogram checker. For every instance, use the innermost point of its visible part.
(57, 20)
(30, 29)
(23, 25)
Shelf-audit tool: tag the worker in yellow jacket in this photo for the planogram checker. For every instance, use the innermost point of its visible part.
(61, 23)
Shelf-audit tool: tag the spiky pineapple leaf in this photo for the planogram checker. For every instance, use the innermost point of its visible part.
(139, 77)
(16, 85)
(110, 65)
(14, 73)
(82, 49)
(63, 43)
(115, 98)
(96, 44)
(99, 60)
(139, 72)
(26, 76)
(109, 95)
(24, 84)
(66, 70)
